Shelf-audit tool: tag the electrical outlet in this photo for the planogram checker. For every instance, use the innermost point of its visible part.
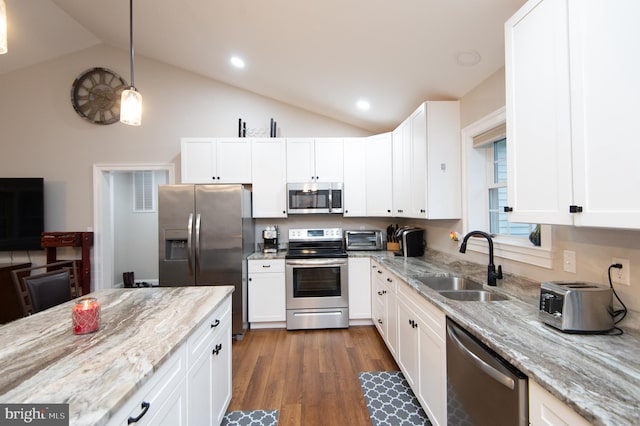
(570, 261)
(621, 275)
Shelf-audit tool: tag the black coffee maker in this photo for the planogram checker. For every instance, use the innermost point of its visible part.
(270, 239)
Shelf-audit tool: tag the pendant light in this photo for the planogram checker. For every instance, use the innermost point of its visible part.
(3, 28)
(131, 100)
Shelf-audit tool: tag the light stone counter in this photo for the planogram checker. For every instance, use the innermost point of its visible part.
(42, 361)
(598, 376)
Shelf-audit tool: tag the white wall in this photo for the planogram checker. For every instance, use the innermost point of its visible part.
(43, 136)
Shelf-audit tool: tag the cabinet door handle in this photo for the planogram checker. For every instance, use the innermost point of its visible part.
(215, 324)
(508, 209)
(380, 293)
(145, 407)
(389, 280)
(379, 271)
(575, 209)
(266, 266)
(217, 349)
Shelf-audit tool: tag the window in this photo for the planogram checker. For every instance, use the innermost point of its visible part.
(497, 192)
(484, 147)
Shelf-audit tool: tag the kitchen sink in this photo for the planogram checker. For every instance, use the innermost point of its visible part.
(473, 295)
(450, 283)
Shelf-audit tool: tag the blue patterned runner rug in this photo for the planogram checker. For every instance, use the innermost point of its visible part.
(251, 418)
(390, 400)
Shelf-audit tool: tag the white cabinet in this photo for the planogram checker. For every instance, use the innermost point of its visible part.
(215, 160)
(268, 170)
(384, 305)
(209, 376)
(193, 387)
(408, 339)
(432, 387)
(368, 176)
(401, 169)
(546, 410)
(355, 178)
(359, 288)
(267, 292)
(422, 354)
(426, 163)
(161, 400)
(314, 160)
(571, 134)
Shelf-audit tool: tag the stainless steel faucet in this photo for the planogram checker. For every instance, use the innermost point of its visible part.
(492, 275)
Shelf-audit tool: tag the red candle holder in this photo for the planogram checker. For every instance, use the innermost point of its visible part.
(86, 315)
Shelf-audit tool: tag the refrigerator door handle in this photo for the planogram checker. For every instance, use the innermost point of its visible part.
(198, 245)
(189, 238)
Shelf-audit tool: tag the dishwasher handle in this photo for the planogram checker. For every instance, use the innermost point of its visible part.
(498, 376)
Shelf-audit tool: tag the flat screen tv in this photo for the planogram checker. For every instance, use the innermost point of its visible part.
(21, 213)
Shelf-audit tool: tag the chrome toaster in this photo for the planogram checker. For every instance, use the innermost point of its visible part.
(576, 307)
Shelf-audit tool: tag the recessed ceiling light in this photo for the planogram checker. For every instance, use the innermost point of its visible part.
(468, 58)
(237, 62)
(364, 105)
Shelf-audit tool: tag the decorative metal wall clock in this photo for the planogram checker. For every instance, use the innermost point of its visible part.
(95, 95)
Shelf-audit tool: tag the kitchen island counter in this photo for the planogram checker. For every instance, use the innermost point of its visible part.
(43, 361)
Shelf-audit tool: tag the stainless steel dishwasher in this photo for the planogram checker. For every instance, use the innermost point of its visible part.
(482, 388)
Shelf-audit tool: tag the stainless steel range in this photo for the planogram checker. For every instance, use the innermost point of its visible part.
(316, 279)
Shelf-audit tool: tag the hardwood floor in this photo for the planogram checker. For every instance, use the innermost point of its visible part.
(310, 376)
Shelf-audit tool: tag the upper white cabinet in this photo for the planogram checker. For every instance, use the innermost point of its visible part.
(401, 161)
(571, 87)
(216, 160)
(426, 163)
(314, 160)
(268, 169)
(368, 176)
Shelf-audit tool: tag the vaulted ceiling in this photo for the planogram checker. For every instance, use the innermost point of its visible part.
(322, 55)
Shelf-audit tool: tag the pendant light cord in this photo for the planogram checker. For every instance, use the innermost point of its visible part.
(131, 38)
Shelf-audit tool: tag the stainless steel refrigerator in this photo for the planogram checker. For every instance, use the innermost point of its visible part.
(205, 235)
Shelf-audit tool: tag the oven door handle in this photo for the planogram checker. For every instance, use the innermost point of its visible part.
(316, 262)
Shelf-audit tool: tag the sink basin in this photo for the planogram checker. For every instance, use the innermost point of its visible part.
(450, 283)
(473, 296)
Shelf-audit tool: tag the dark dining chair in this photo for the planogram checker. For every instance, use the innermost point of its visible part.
(41, 291)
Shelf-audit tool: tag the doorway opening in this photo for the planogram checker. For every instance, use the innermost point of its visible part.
(114, 243)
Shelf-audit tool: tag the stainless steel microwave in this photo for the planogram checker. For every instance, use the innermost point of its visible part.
(314, 197)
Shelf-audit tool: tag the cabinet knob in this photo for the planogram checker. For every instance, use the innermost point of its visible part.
(389, 280)
(508, 209)
(217, 349)
(217, 322)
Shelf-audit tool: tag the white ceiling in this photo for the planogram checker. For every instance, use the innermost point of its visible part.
(321, 55)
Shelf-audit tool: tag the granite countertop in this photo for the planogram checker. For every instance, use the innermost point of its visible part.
(597, 376)
(43, 361)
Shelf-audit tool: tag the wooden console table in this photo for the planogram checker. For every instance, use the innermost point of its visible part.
(50, 241)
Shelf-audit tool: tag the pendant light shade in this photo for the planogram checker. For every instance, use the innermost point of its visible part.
(3, 28)
(131, 100)
(131, 107)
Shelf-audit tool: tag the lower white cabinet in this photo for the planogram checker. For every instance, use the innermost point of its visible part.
(421, 348)
(384, 305)
(359, 288)
(193, 387)
(161, 400)
(209, 376)
(547, 410)
(267, 292)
